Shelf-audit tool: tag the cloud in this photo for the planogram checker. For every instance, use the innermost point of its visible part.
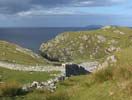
(60, 3)
(94, 3)
(26, 7)
(13, 6)
(54, 11)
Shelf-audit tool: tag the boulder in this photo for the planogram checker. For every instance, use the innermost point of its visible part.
(35, 84)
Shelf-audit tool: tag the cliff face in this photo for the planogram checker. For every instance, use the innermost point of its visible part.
(87, 45)
(13, 53)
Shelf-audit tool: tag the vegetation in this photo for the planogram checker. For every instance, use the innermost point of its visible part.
(87, 45)
(40, 95)
(13, 53)
(24, 77)
(111, 83)
(10, 89)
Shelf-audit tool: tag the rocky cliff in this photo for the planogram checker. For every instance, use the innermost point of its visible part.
(83, 46)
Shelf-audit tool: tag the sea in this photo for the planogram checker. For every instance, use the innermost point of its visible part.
(32, 38)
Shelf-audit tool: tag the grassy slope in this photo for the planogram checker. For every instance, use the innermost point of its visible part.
(13, 53)
(24, 77)
(86, 45)
(112, 83)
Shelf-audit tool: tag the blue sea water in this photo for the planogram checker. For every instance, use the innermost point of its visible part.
(32, 38)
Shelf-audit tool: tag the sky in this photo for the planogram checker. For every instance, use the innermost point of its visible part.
(65, 13)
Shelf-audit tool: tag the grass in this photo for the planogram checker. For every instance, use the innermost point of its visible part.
(13, 92)
(10, 89)
(24, 77)
(112, 83)
(104, 75)
(13, 53)
(13, 81)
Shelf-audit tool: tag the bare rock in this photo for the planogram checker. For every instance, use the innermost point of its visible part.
(111, 59)
(119, 32)
(106, 27)
(101, 38)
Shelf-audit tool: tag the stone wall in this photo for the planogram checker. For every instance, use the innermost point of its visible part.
(30, 68)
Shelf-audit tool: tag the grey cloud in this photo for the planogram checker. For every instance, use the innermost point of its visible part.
(74, 3)
(16, 6)
(13, 6)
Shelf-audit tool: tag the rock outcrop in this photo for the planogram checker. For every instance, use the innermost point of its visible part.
(110, 61)
(87, 45)
(49, 85)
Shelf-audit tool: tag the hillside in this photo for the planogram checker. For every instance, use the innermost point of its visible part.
(83, 46)
(111, 83)
(23, 77)
(13, 53)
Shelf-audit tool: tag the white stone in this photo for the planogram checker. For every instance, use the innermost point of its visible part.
(35, 84)
(101, 38)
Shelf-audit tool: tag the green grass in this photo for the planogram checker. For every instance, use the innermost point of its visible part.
(112, 83)
(13, 81)
(83, 46)
(40, 95)
(13, 53)
(10, 89)
(24, 77)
